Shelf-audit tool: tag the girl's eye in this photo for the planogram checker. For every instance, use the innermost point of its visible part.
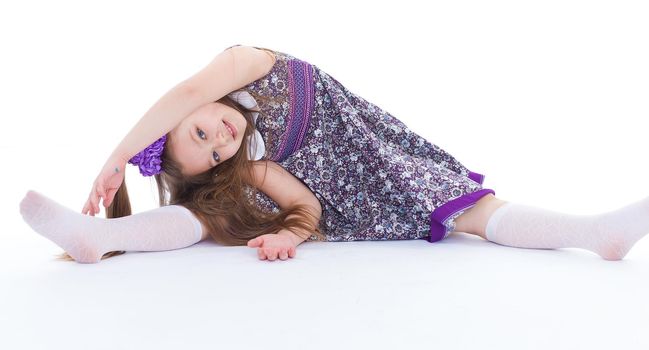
(214, 154)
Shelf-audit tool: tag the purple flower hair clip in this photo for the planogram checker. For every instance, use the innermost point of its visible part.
(148, 160)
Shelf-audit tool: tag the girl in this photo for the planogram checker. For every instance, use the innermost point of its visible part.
(264, 149)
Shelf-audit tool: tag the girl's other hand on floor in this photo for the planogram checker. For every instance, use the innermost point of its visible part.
(273, 245)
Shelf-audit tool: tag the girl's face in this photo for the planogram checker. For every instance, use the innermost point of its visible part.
(202, 140)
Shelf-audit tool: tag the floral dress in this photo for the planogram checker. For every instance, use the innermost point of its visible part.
(375, 178)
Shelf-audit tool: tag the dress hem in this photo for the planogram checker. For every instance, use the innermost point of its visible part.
(439, 216)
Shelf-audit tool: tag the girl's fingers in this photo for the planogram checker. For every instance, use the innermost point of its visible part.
(271, 254)
(110, 195)
(104, 196)
(93, 205)
(98, 198)
(90, 206)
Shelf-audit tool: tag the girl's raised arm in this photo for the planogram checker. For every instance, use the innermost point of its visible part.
(231, 69)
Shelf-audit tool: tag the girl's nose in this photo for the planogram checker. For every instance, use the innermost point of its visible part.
(221, 136)
(224, 133)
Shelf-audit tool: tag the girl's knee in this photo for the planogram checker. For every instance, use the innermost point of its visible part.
(474, 220)
(491, 200)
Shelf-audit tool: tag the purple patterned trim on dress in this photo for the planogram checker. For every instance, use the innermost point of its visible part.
(301, 93)
(441, 214)
(479, 178)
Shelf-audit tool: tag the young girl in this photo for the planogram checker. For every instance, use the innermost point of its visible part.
(264, 149)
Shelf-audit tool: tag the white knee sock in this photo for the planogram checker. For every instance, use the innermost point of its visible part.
(611, 235)
(88, 238)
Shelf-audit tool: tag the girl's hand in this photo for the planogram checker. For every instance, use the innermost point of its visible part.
(108, 181)
(274, 244)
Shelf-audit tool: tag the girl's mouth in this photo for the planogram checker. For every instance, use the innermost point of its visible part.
(231, 129)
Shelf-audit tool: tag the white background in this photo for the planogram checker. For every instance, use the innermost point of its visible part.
(547, 99)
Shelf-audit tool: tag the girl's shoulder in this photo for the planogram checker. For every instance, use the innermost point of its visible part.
(263, 59)
(272, 54)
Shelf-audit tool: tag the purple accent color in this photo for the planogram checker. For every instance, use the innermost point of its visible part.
(148, 160)
(479, 178)
(301, 93)
(441, 214)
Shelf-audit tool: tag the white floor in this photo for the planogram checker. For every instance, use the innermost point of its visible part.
(460, 293)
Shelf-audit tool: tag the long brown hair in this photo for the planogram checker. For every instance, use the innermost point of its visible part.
(221, 197)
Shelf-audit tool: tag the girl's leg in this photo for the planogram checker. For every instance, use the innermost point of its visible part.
(474, 220)
(88, 238)
(611, 235)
